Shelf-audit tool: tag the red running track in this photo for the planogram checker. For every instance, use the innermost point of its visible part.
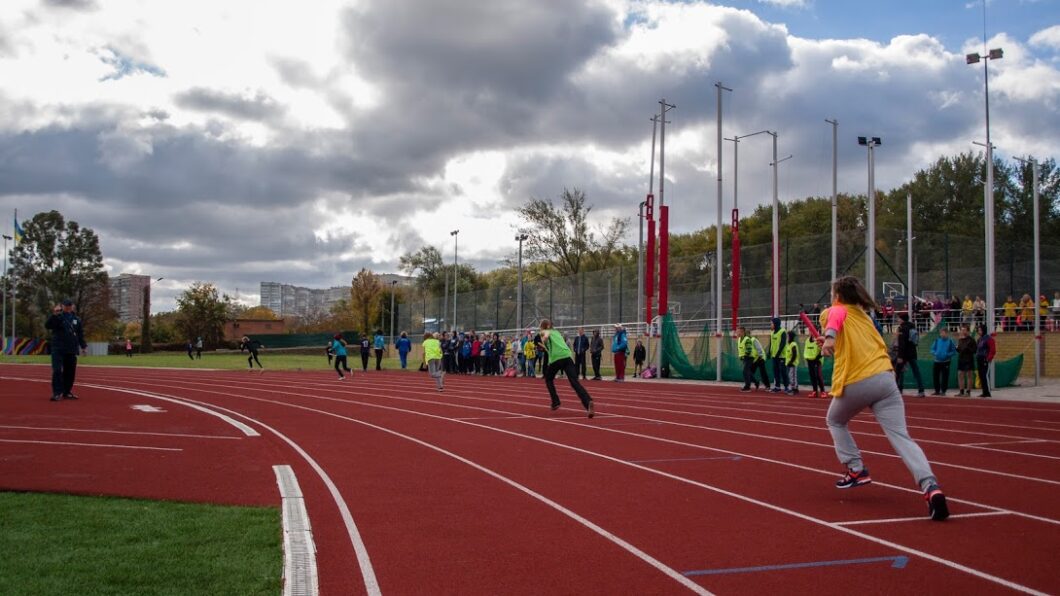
(672, 488)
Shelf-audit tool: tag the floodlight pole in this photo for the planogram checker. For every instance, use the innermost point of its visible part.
(717, 236)
(519, 298)
(870, 228)
(835, 198)
(909, 289)
(393, 283)
(456, 263)
(145, 327)
(3, 326)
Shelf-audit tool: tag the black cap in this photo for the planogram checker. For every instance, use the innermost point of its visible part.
(67, 302)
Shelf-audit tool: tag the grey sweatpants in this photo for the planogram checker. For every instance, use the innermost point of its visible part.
(434, 368)
(881, 394)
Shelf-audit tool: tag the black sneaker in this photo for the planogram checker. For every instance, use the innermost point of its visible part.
(592, 410)
(936, 501)
(57, 397)
(745, 390)
(69, 396)
(555, 406)
(851, 480)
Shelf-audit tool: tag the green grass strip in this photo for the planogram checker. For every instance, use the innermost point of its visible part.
(62, 544)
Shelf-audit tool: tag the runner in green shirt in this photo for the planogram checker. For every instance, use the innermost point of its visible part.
(559, 359)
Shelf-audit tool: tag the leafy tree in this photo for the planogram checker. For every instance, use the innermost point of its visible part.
(366, 292)
(59, 259)
(202, 312)
(259, 312)
(433, 275)
(562, 235)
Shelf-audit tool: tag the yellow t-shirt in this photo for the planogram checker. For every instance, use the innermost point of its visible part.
(859, 349)
(1010, 310)
(967, 306)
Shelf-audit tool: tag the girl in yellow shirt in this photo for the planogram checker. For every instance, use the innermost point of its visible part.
(862, 378)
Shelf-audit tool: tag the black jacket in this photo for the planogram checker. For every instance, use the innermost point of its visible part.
(906, 348)
(68, 336)
(597, 345)
(581, 344)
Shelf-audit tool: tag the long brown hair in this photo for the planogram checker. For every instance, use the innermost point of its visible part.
(849, 290)
(546, 324)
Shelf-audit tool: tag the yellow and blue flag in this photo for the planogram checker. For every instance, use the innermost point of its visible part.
(18, 232)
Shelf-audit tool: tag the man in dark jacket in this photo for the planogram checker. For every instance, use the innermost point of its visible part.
(596, 350)
(581, 346)
(68, 340)
(908, 337)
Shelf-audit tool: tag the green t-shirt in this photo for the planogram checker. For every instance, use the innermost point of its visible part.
(557, 347)
(432, 349)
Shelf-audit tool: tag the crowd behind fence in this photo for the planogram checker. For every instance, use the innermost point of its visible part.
(943, 265)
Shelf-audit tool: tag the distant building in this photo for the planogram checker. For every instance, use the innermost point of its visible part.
(287, 300)
(127, 296)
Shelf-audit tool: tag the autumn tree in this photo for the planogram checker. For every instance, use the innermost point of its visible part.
(366, 293)
(203, 312)
(59, 259)
(259, 312)
(563, 237)
(433, 275)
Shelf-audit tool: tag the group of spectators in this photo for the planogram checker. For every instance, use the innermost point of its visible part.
(472, 353)
(954, 313)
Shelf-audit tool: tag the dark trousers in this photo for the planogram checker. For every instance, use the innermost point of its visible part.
(64, 367)
(579, 363)
(378, 359)
(940, 374)
(899, 373)
(340, 365)
(596, 364)
(364, 360)
(567, 366)
(983, 366)
(760, 366)
(748, 372)
(250, 360)
(198, 353)
(816, 376)
(780, 373)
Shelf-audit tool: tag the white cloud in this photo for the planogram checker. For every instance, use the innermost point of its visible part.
(1048, 38)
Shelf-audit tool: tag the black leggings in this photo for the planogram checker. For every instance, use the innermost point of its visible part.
(250, 359)
(378, 359)
(340, 365)
(567, 366)
(816, 377)
(983, 367)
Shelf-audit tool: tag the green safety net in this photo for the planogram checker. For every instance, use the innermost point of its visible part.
(699, 362)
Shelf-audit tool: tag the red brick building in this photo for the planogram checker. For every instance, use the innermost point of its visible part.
(236, 329)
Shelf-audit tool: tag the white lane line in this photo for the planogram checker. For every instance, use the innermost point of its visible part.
(300, 576)
(607, 428)
(918, 519)
(115, 432)
(1022, 442)
(70, 443)
(242, 427)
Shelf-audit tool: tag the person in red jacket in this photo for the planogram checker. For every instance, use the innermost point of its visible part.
(985, 351)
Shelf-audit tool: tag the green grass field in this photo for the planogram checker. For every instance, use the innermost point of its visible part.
(62, 544)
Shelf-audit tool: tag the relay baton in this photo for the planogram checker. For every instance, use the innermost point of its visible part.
(814, 333)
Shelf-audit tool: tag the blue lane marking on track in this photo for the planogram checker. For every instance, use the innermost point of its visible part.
(897, 562)
(651, 461)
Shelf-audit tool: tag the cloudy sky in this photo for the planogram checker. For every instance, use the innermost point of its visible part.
(241, 141)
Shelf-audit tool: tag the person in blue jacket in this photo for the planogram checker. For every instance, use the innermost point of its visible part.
(619, 347)
(338, 347)
(404, 346)
(379, 343)
(68, 340)
(943, 349)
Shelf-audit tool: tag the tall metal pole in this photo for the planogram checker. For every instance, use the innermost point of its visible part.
(519, 298)
(456, 264)
(717, 235)
(910, 274)
(1037, 279)
(835, 197)
(393, 284)
(445, 304)
(870, 229)
(3, 326)
(776, 231)
(662, 149)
